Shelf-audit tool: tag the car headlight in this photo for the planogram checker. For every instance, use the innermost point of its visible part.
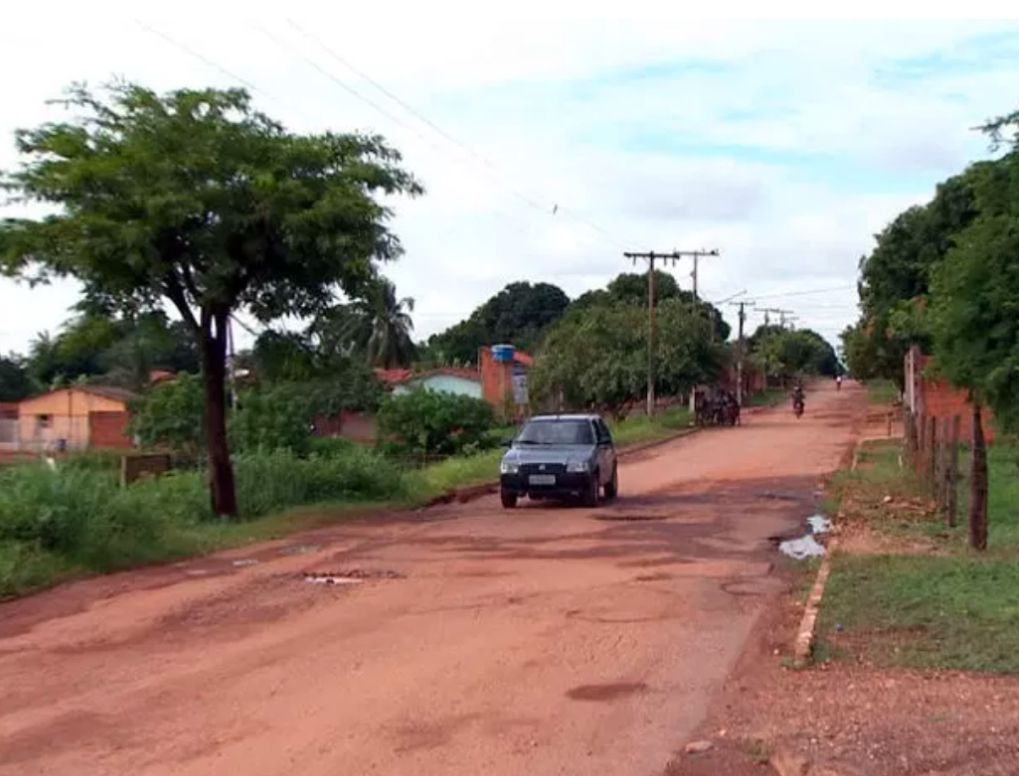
(509, 467)
(576, 466)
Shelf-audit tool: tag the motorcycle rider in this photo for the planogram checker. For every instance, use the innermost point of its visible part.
(799, 396)
(838, 382)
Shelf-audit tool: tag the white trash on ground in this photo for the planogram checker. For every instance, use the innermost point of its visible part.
(802, 548)
(807, 546)
(819, 524)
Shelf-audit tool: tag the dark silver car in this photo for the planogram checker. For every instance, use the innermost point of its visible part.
(560, 456)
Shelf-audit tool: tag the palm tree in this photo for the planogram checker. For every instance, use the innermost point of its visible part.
(378, 325)
(389, 344)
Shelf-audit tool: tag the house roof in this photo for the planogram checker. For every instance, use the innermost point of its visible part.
(111, 392)
(108, 392)
(393, 377)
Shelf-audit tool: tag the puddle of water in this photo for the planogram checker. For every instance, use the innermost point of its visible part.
(605, 692)
(241, 563)
(617, 516)
(802, 548)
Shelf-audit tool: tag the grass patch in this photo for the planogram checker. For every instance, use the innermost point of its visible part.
(769, 397)
(927, 612)
(881, 391)
(639, 429)
(422, 485)
(950, 609)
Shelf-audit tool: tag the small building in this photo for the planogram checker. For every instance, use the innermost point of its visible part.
(455, 380)
(500, 378)
(76, 418)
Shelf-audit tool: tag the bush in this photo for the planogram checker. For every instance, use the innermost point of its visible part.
(272, 419)
(434, 423)
(171, 415)
(82, 518)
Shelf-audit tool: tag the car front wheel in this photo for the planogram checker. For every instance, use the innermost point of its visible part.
(590, 495)
(612, 486)
(509, 500)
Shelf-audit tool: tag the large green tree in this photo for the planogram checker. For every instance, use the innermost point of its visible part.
(15, 381)
(596, 357)
(196, 198)
(518, 315)
(895, 279)
(783, 354)
(975, 309)
(632, 288)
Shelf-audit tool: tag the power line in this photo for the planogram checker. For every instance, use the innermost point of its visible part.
(198, 55)
(420, 116)
(806, 293)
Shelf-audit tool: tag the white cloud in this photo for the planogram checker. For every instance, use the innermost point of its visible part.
(825, 146)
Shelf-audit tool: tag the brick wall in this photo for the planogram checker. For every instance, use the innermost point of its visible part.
(496, 379)
(109, 430)
(937, 398)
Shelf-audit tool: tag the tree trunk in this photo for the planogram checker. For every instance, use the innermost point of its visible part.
(221, 473)
(978, 483)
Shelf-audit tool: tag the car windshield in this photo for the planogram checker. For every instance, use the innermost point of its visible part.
(557, 432)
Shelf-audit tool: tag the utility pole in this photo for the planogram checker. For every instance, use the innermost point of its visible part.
(650, 257)
(777, 311)
(696, 255)
(740, 352)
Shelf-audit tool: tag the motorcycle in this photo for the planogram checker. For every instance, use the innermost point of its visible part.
(798, 407)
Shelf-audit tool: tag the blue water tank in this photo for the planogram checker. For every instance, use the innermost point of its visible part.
(502, 354)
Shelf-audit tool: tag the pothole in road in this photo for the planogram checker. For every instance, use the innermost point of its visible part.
(348, 577)
(624, 517)
(605, 692)
(754, 586)
(779, 496)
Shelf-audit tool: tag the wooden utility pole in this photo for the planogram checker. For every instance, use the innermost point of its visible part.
(650, 257)
(740, 349)
(777, 311)
(696, 255)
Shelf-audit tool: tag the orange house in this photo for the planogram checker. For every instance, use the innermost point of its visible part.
(76, 418)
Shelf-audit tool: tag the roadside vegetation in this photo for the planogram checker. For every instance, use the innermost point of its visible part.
(882, 391)
(942, 277)
(905, 589)
(77, 519)
(250, 432)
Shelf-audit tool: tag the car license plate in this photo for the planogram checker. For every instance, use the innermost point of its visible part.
(541, 479)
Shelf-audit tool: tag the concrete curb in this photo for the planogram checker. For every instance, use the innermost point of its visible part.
(473, 492)
(807, 632)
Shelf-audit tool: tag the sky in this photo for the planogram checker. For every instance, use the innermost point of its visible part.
(551, 138)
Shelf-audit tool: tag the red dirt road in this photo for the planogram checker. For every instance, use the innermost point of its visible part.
(539, 641)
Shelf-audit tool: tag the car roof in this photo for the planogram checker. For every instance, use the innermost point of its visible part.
(566, 417)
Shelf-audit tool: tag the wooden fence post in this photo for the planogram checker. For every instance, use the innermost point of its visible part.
(943, 439)
(909, 436)
(921, 443)
(932, 460)
(952, 505)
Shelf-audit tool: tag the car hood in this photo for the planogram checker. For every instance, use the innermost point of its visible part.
(548, 453)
